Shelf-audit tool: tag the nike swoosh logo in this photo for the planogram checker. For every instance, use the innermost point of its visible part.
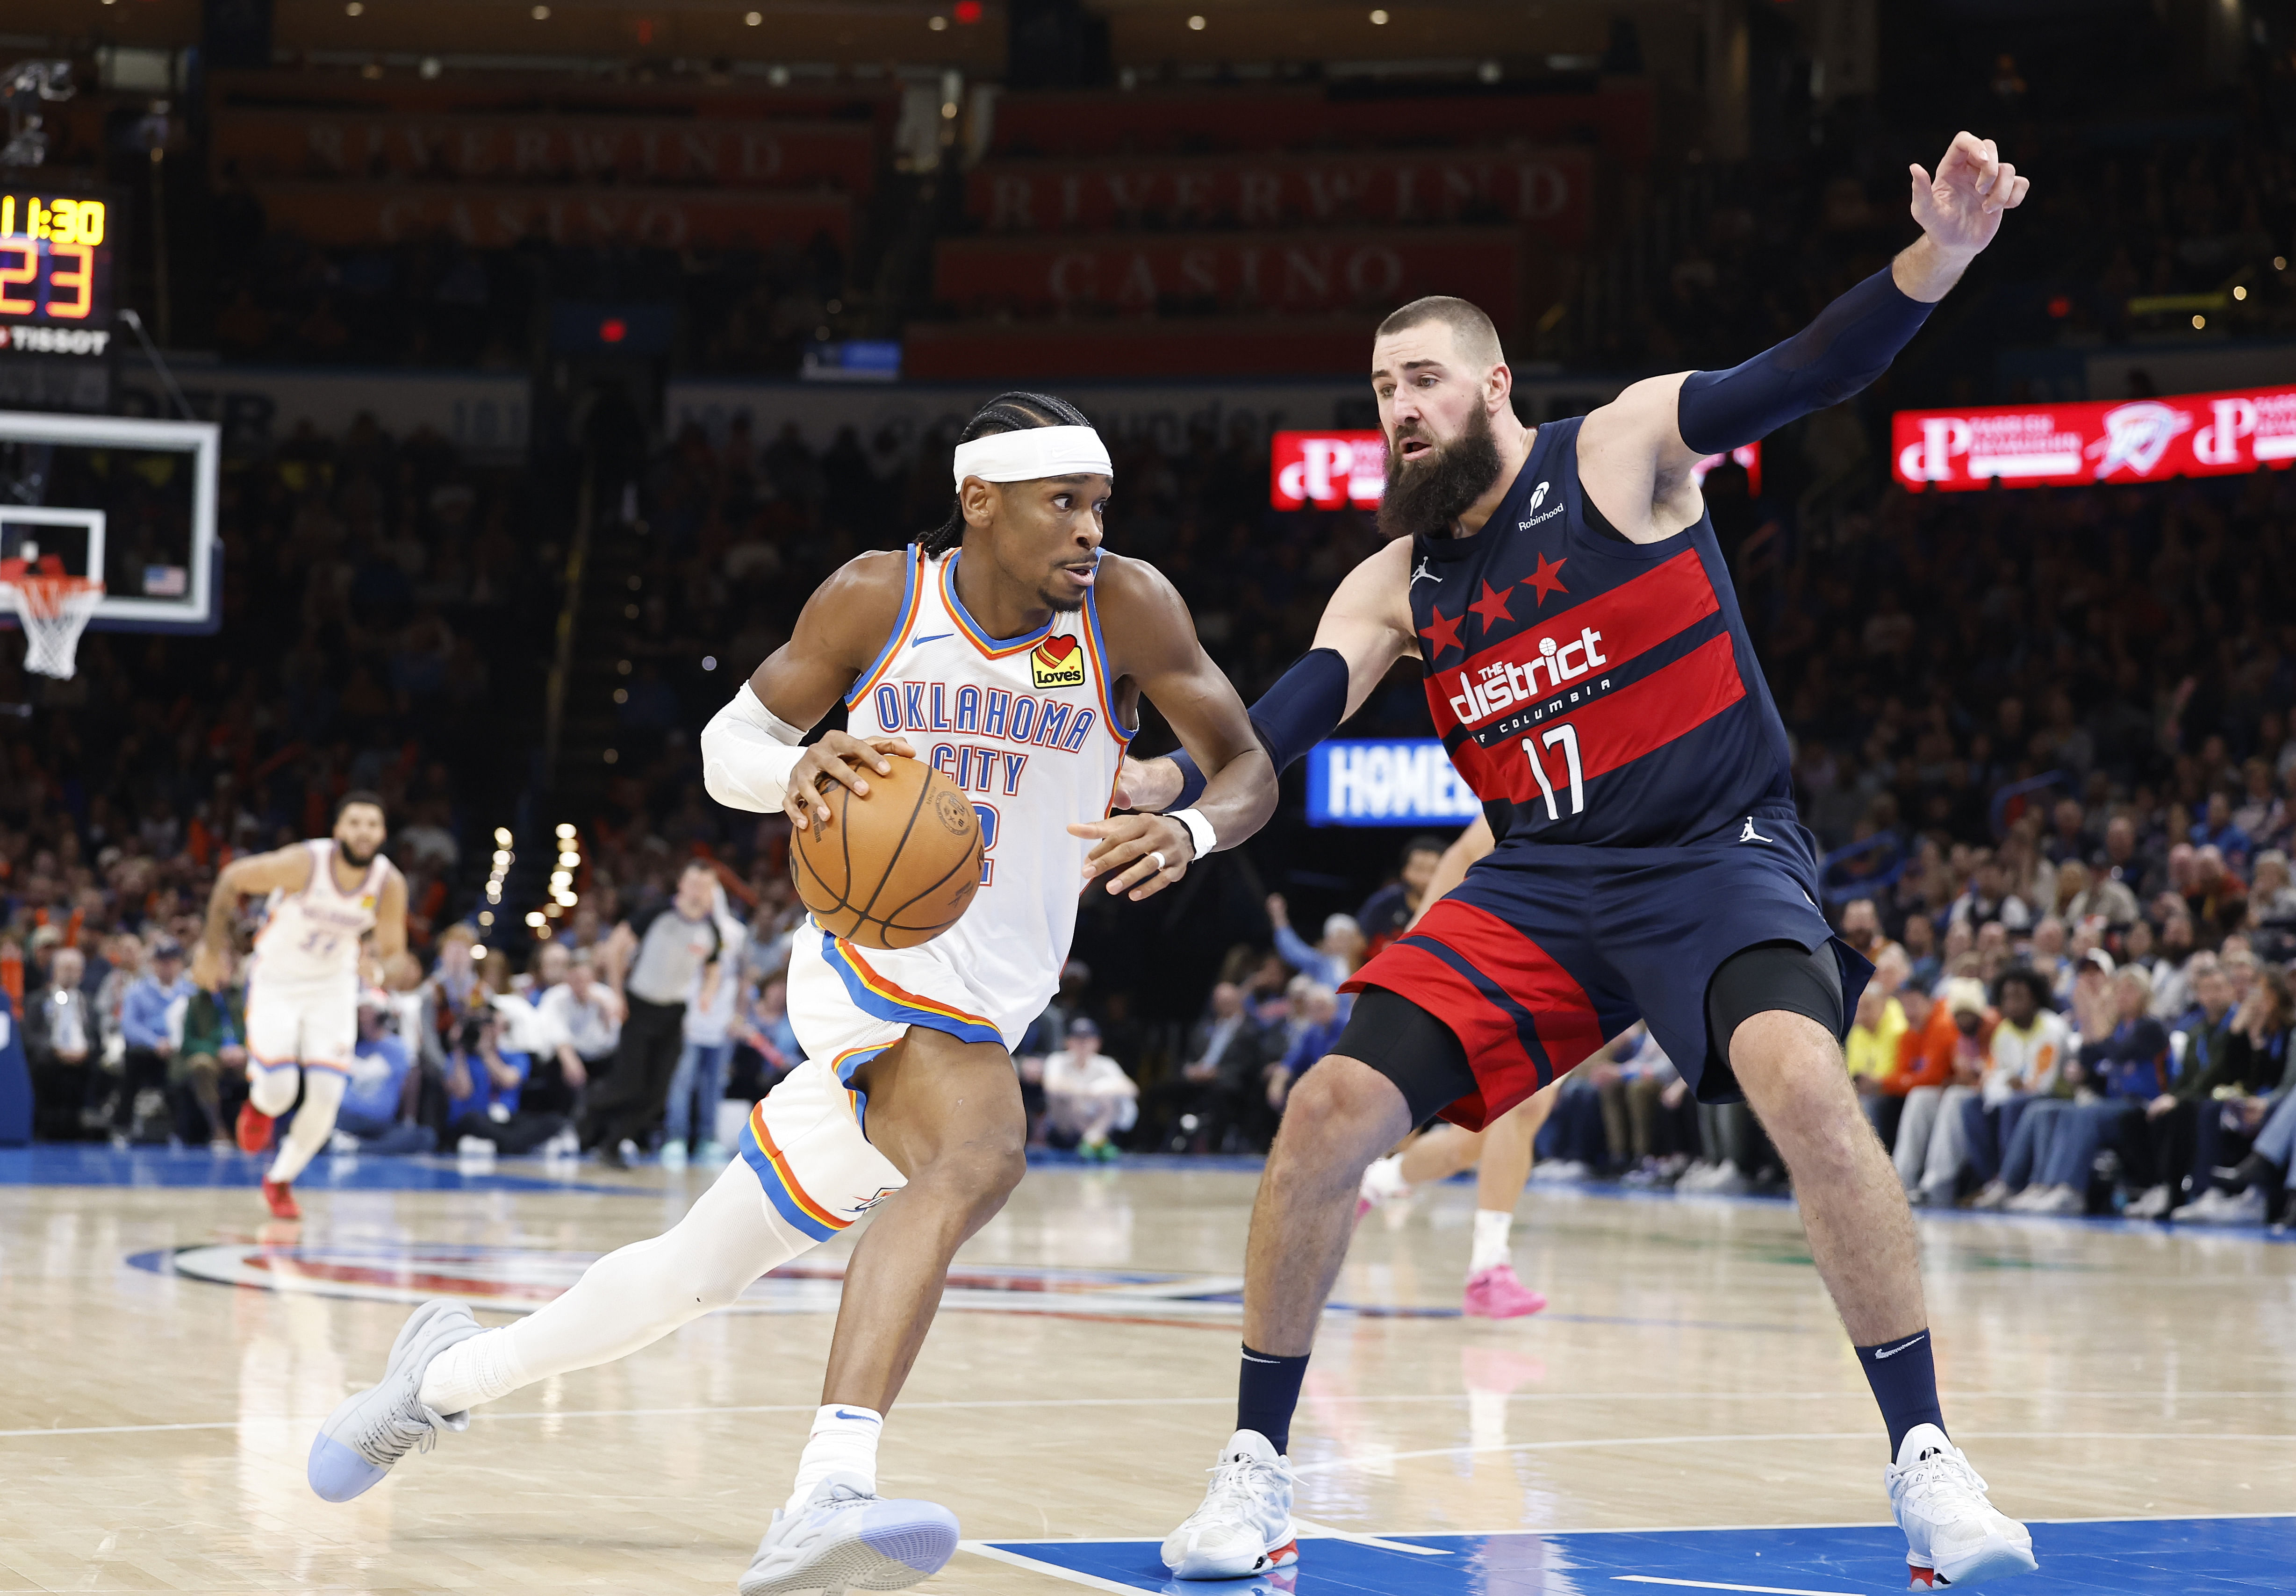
(918, 643)
(1270, 1362)
(842, 1413)
(1891, 1352)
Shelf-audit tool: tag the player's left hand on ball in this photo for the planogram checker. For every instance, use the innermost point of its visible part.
(1960, 209)
(1141, 854)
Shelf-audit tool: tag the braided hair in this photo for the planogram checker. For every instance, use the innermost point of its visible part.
(1006, 412)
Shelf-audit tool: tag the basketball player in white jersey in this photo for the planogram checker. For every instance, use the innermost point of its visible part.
(328, 896)
(1011, 652)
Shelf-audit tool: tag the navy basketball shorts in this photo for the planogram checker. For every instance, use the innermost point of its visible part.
(1543, 953)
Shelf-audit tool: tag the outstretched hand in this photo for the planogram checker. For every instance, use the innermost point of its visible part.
(1960, 209)
(1147, 852)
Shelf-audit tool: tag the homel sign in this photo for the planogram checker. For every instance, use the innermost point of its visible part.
(2132, 440)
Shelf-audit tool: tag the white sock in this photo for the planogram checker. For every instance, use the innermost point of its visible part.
(482, 1369)
(1491, 1227)
(314, 1123)
(1385, 1179)
(844, 1441)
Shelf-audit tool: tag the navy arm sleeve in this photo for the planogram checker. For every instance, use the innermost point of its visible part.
(1306, 705)
(1852, 341)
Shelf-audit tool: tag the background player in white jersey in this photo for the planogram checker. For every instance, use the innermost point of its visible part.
(1009, 652)
(327, 894)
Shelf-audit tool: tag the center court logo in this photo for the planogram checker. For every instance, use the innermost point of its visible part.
(519, 1280)
(1056, 662)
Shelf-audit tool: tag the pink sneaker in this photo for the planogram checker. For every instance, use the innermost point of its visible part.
(1496, 1294)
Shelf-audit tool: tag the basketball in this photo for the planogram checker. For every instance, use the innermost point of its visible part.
(895, 868)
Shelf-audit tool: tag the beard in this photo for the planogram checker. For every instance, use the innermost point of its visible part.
(353, 857)
(1427, 497)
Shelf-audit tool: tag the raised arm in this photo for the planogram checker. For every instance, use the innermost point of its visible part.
(1366, 628)
(286, 869)
(750, 753)
(1155, 646)
(1635, 453)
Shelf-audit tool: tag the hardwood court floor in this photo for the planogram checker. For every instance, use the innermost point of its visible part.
(154, 1422)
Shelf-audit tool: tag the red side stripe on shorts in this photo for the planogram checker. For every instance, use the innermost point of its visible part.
(1495, 982)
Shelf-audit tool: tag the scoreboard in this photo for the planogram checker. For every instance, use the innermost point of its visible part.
(55, 272)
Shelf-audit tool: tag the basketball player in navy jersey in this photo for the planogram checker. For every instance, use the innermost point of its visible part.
(1592, 678)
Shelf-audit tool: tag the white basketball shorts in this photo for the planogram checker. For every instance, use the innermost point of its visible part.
(314, 1024)
(807, 1140)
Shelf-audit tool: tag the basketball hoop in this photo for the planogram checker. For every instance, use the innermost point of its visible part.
(54, 611)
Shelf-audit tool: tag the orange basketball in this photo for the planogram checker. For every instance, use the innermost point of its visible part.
(894, 868)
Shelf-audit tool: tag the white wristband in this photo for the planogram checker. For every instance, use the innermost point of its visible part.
(1199, 831)
(748, 753)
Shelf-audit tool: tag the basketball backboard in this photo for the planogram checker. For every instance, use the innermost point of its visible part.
(129, 502)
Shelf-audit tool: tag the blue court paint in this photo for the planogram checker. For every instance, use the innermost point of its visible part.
(2234, 1557)
(99, 1164)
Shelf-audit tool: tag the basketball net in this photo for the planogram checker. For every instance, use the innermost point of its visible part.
(54, 611)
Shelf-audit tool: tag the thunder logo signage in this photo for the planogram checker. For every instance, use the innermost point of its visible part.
(2139, 440)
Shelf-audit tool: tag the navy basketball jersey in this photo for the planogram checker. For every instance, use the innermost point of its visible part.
(1591, 689)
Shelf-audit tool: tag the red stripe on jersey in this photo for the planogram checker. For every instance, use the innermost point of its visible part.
(1629, 620)
(1615, 729)
(1514, 980)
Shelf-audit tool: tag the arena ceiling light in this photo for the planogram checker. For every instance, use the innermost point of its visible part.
(1195, 24)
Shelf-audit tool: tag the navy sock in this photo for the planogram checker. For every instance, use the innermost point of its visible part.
(1267, 1390)
(1904, 1377)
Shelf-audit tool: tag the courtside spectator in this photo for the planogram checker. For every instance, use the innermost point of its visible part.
(763, 1026)
(482, 1093)
(583, 1019)
(63, 1044)
(211, 1061)
(1228, 1055)
(2123, 1064)
(380, 1103)
(698, 1085)
(1929, 1148)
(1388, 913)
(150, 1024)
(2247, 1101)
(1332, 959)
(1315, 1033)
(2021, 1061)
(1087, 1095)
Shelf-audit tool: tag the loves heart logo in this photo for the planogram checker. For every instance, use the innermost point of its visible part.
(1056, 662)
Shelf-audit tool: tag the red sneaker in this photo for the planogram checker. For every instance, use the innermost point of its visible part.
(1496, 1294)
(254, 1130)
(281, 1198)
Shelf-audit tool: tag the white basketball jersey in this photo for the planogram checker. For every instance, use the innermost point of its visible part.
(312, 937)
(1026, 726)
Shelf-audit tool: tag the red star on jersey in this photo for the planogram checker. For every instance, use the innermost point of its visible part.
(1547, 579)
(1491, 607)
(1443, 634)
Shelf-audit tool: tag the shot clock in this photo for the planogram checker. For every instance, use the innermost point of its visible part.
(55, 272)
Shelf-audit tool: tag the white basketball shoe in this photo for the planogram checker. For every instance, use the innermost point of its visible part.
(847, 1537)
(1953, 1536)
(1244, 1526)
(370, 1432)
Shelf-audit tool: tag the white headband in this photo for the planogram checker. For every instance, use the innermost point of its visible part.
(1034, 452)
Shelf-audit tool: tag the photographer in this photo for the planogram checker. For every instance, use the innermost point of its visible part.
(482, 1091)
